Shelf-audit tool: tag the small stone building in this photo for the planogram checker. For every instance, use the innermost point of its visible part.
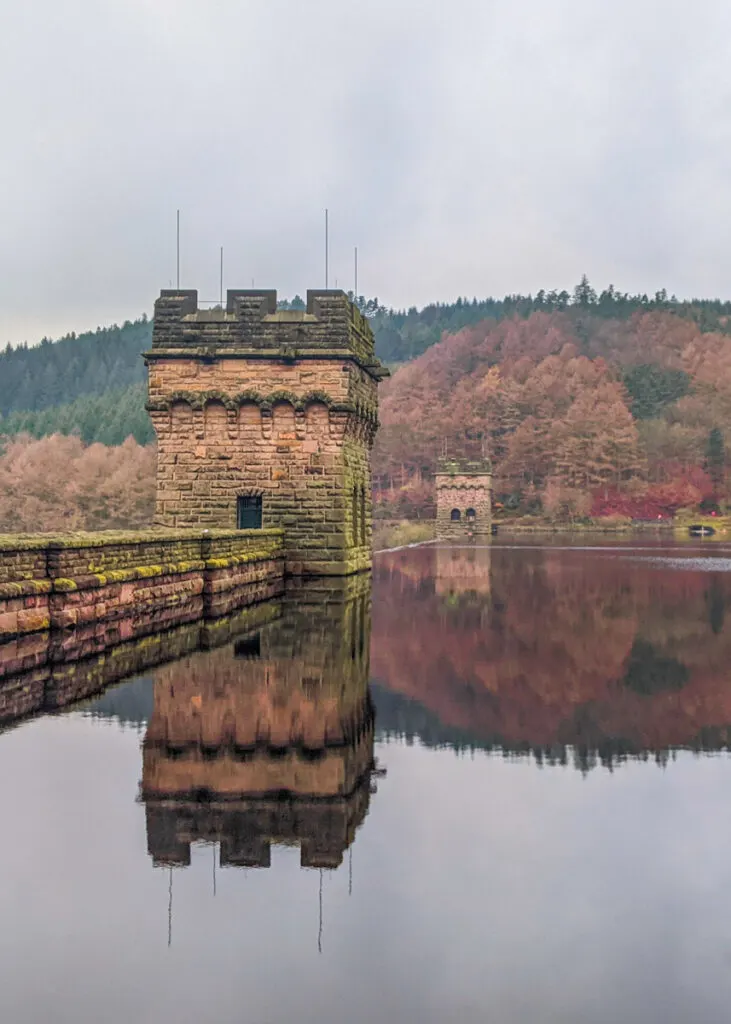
(464, 499)
(267, 418)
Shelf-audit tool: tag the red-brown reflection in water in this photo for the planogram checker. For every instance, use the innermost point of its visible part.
(543, 648)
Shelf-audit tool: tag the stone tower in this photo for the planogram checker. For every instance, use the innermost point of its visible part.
(464, 499)
(267, 418)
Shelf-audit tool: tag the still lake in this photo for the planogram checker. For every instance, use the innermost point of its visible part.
(498, 791)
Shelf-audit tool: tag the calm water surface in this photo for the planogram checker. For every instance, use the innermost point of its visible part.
(502, 793)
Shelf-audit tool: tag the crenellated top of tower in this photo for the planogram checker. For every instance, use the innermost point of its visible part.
(448, 467)
(250, 325)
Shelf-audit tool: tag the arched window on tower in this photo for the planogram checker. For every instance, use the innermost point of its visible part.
(455, 515)
(471, 515)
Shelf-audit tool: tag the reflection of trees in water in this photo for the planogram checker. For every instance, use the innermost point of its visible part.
(607, 656)
(716, 605)
(649, 672)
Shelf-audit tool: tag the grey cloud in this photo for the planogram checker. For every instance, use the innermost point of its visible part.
(471, 148)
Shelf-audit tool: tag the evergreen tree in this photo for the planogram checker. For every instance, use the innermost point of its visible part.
(715, 456)
(652, 387)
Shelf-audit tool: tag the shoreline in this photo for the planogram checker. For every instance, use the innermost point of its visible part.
(390, 534)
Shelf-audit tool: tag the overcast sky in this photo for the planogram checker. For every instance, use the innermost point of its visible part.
(473, 147)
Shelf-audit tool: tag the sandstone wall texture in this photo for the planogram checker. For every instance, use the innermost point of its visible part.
(252, 403)
(247, 829)
(48, 671)
(138, 581)
(464, 500)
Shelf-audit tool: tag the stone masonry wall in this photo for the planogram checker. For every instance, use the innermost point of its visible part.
(463, 492)
(251, 402)
(142, 580)
(47, 671)
(246, 829)
(303, 686)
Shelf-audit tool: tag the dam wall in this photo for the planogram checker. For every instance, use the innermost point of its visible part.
(128, 584)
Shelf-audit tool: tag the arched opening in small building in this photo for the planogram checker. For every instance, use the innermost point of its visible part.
(471, 515)
(249, 512)
(455, 515)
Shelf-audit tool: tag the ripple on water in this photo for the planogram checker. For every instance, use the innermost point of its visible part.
(689, 564)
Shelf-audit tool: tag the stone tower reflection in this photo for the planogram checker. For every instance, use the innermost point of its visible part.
(463, 570)
(268, 740)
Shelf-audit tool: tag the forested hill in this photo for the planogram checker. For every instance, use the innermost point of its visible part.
(58, 372)
(402, 335)
(109, 417)
(587, 405)
(580, 415)
(93, 384)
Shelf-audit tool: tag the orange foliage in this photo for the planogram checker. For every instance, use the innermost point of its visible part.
(56, 483)
(544, 397)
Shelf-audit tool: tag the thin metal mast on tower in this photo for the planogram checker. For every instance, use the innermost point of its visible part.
(177, 250)
(327, 249)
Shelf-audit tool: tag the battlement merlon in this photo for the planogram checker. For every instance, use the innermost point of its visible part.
(251, 326)
(447, 467)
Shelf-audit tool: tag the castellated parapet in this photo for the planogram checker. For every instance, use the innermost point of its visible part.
(267, 418)
(464, 499)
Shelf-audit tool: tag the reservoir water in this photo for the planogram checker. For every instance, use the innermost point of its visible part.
(488, 784)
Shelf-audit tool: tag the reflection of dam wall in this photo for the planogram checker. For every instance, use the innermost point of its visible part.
(261, 734)
(463, 570)
(45, 672)
(268, 740)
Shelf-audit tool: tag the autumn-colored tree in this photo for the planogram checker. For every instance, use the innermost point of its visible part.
(606, 406)
(598, 443)
(56, 483)
(602, 656)
(617, 397)
(564, 502)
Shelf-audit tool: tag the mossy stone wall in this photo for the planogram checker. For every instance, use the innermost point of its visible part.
(65, 581)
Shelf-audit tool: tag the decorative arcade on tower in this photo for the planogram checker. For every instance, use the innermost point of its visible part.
(266, 418)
